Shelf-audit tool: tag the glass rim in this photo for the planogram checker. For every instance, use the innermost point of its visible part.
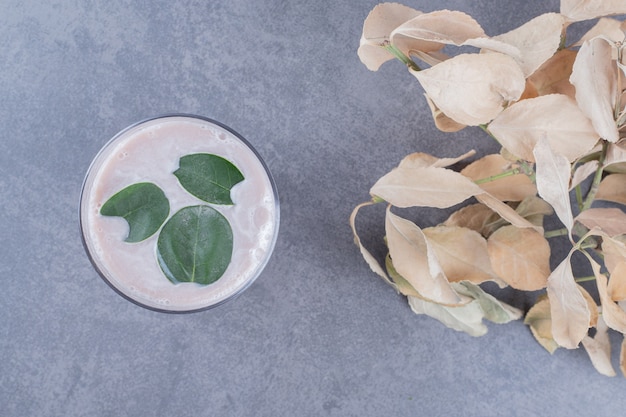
(260, 267)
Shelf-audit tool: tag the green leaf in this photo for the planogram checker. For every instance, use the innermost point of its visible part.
(143, 205)
(195, 245)
(208, 177)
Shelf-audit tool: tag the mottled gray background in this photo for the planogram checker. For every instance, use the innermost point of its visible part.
(318, 334)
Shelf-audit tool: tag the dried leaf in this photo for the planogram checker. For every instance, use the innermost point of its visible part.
(521, 257)
(493, 309)
(613, 315)
(599, 349)
(424, 160)
(466, 318)
(582, 173)
(444, 27)
(553, 177)
(415, 259)
(462, 254)
(553, 76)
(613, 188)
(617, 284)
(474, 217)
(537, 39)
(594, 313)
(615, 154)
(506, 212)
(613, 249)
(419, 187)
(510, 188)
(443, 122)
(534, 209)
(577, 10)
(377, 28)
(568, 307)
(472, 89)
(540, 322)
(555, 117)
(402, 285)
(369, 258)
(611, 221)
(595, 78)
(606, 27)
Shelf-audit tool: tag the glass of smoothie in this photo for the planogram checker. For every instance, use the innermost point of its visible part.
(179, 213)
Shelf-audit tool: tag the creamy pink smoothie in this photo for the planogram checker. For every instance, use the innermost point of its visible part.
(150, 152)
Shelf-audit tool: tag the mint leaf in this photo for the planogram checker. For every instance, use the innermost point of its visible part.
(143, 205)
(195, 245)
(208, 177)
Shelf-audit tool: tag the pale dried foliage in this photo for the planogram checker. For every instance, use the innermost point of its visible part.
(558, 113)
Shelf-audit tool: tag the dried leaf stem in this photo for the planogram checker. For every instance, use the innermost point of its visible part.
(400, 55)
(597, 178)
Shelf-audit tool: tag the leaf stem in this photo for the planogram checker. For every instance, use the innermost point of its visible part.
(579, 196)
(485, 128)
(597, 178)
(556, 233)
(400, 55)
(585, 279)
(508, 173)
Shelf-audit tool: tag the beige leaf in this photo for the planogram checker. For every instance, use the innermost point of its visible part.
(473, 216)
(506, 212)
(611, 221)
(493, 309)
(607, 27)
(617, 284)
(613, 315)
(582, 173)
(613, 188)
(419, 187)
(416, 261)
(443, 122)
(555, 117)
(540, 323)
(510, 188)
(568, 307)
(553, 178)
(462, 254)
(403, 286)
(613, 249)
(466, 318)
(577, 10)
(377, 28)
(424, 160)
(595, 78)
(521, 257)
(369, 258)
(537, 39)
(472, 89)
(553, 76)
(594, 313)
(534, 209)
(616, 154)
(441, 27)
(599, 349)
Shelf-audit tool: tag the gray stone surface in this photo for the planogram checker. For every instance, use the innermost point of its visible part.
(318, 334)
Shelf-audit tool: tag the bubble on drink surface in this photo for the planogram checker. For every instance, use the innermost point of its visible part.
(261, 217)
